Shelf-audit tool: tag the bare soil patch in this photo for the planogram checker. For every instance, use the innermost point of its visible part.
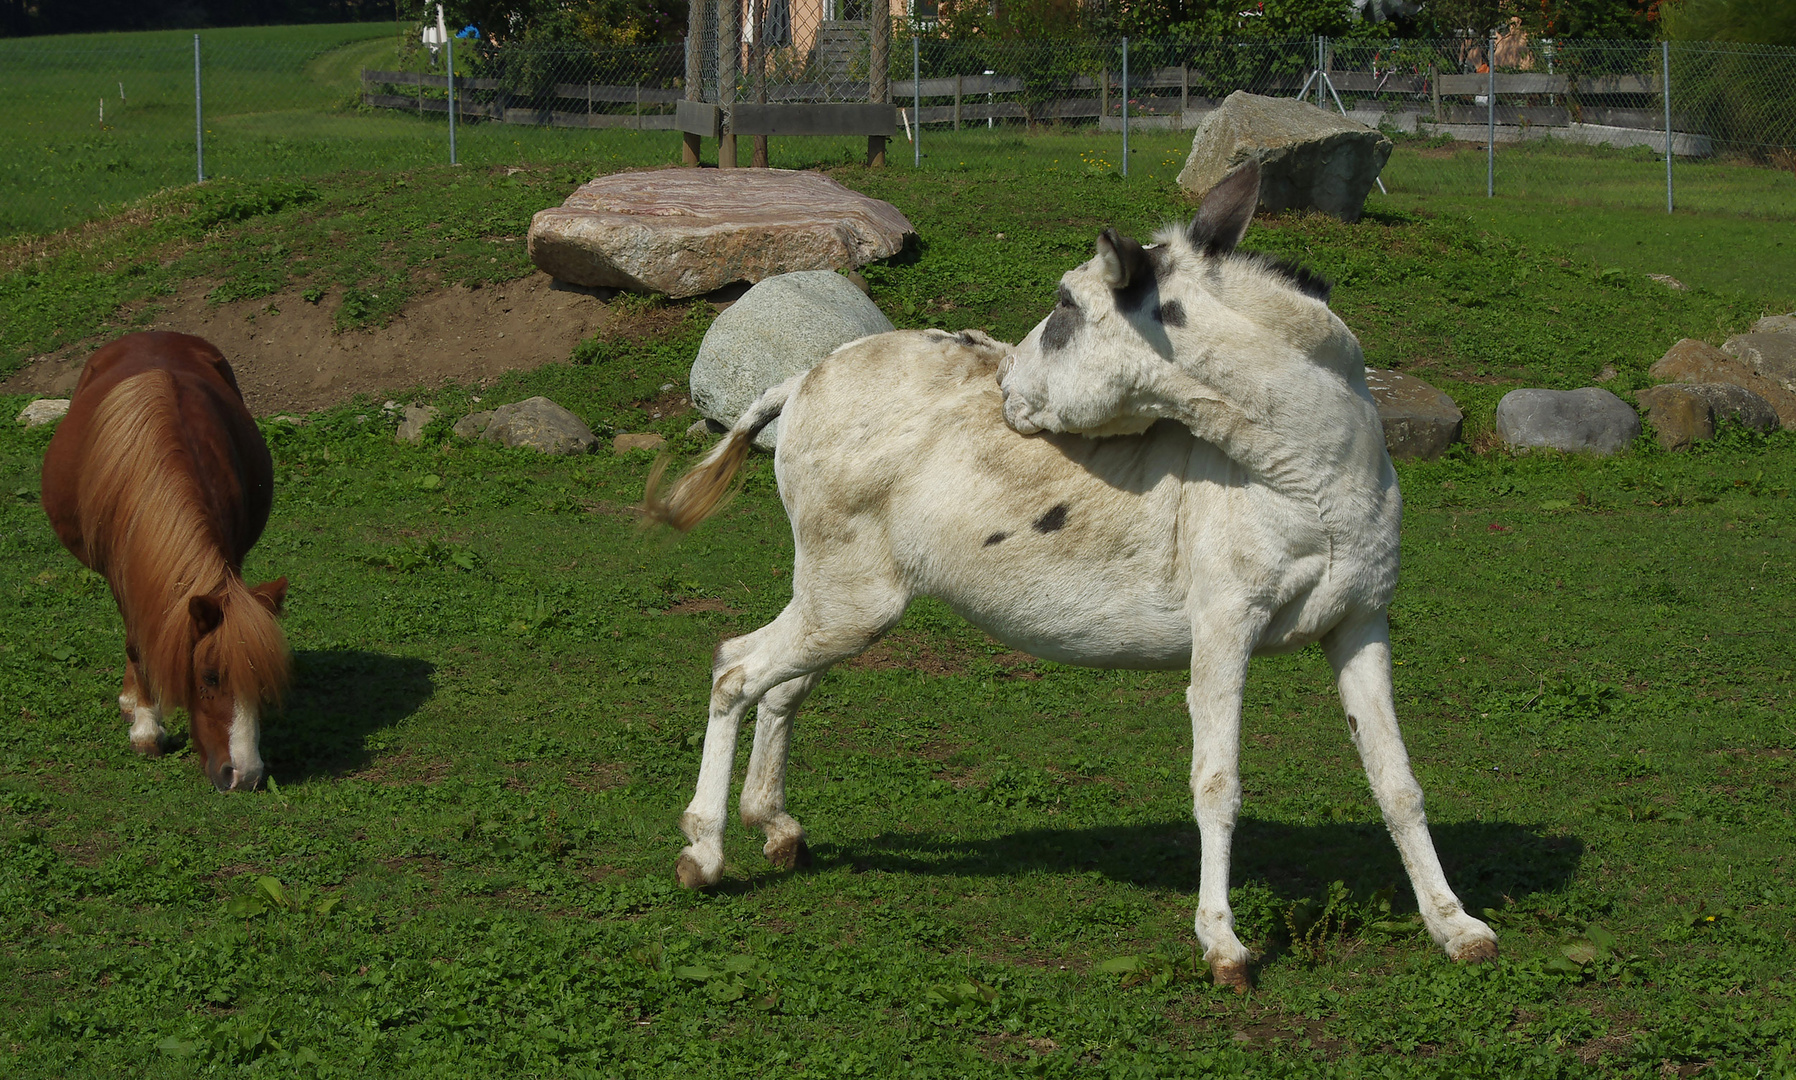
(289, 357)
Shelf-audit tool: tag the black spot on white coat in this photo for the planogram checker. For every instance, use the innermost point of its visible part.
(996, 538)
(1172, 313)
(1052, 521)
(1065, 321)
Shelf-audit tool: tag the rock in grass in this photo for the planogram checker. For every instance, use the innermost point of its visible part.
(779, 328)
(1693, 361)
(471, 425)
(43, 411)
(413, 422)
(1770, 355)
(1309, 159)
(1589, 420)
(639, 440)
(1776, 324)
(1419, 421)
(1680, 417)
(1736, 403)
(541, 425)
(685, 232)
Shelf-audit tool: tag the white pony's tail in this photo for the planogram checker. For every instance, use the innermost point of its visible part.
(704, 489)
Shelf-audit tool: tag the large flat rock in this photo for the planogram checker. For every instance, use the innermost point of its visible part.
(685, 232)
(1309, 159)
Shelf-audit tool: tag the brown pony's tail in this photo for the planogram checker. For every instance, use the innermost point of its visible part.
(704, 489)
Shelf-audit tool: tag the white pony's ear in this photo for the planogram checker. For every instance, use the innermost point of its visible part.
(1110, 264)
(1227, 210)
(1121, 261)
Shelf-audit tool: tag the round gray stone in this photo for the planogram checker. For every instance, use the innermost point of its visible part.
(539, 424)
(1589, 419)
(781, 327)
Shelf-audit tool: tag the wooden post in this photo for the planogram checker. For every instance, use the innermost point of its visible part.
(695, 77)
(639, 104)
(879, 62)
(729, 54)
(758, 51)
(1103, 96)
(960, 83)
(1434, 84)
(1184, 91)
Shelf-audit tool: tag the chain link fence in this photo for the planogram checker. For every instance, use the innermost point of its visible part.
(97, 122)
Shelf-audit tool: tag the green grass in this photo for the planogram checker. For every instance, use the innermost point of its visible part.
(1732, 229)
(464, 861)
(495, 726)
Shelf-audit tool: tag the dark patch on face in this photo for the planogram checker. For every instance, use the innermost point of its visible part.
(1063, 323)
(996, 538)
(1172, 313)
(1052, 521)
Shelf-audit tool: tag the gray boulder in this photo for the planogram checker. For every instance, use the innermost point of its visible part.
(413, 421)
(782, 326)
(1588, 419)
(1736, 403)
(1771, 355)
(471, 425)
(539, 424)
(1419, 421)
(1309, 159)
(1776, 324)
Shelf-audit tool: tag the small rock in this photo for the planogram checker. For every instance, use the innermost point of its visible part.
(541, 425)
(642, 440)
(856, 279)
(1736, 403)
(284, 418)
(1680, 417)
(1776, 324)
(706, 426)
(471, 425)
(1770, 355)
(1669, 282)
(414, 421)
(43, 411)
(782, 326)
(1693, 361)
(1419, 421)
(1587, 419)
(1607, 373)
(665, 387)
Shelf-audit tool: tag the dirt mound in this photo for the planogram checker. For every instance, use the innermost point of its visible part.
(289, 358)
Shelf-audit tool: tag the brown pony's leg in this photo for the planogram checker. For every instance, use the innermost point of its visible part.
(144, 716)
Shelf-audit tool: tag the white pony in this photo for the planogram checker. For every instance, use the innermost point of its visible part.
(1243, 503)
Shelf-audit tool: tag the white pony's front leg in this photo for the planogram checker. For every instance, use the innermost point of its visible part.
(701, 862)
(1218, 676)
(1361, 654)
(764, 788)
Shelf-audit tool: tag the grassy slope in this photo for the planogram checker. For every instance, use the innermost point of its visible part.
(496, 726)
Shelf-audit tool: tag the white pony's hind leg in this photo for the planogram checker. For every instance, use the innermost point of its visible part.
(1361, 655)
(1218, 677)
(792, 647)
(764, 788)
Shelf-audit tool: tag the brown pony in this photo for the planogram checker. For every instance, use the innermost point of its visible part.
(158, 479)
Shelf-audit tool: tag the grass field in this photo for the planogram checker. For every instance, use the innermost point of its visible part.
(464, 859)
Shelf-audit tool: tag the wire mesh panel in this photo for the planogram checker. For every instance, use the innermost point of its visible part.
(95, 122)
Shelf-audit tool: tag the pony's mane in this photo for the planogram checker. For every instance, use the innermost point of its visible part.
(146, 528)
(1294, 275)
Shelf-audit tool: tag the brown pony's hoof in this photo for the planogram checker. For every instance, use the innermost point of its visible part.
(792, 854)
(148, 747)
(1482, 951)
(1230, 973)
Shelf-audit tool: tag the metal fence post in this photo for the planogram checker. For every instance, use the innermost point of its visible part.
(916, 101)
(199, 127)
(1490, 111)
(449, 45)
(1125, 107)
(1665, 61)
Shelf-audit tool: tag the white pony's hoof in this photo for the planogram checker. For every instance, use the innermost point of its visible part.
(696, 872)
(1230, 973)
(1472, 942)
(788, 852)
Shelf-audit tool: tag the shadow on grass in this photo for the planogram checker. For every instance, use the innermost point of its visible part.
(1485, 861)
(339, 698)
